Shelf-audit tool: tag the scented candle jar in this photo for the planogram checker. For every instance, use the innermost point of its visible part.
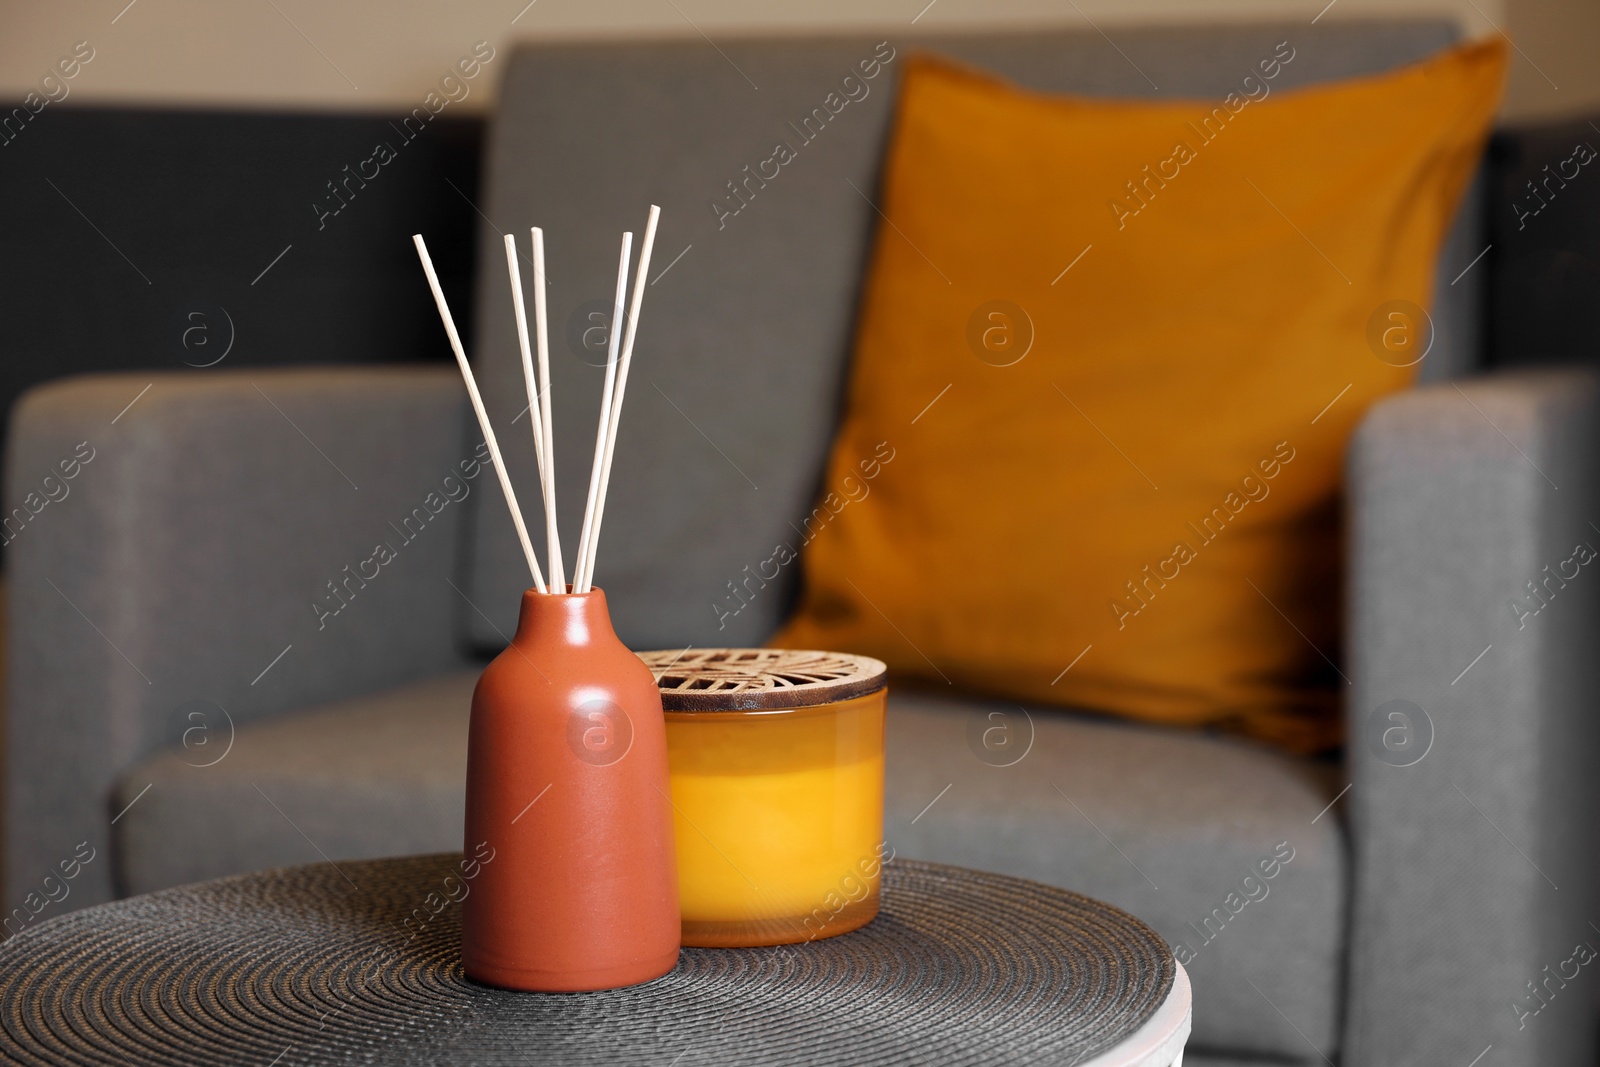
(775, 758)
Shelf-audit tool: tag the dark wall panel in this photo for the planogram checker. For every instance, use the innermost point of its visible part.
(1544, 223)
(137, 239)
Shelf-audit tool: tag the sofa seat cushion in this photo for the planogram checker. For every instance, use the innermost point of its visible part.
(1171, 825)
(379, 775)
(1097, 806)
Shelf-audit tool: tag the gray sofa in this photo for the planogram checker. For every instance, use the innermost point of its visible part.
(201, 683)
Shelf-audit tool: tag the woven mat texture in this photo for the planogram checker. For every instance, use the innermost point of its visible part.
(315, 965)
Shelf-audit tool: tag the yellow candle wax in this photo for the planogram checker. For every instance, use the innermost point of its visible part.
(779, 820)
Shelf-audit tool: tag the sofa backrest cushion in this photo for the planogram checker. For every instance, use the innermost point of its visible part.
(764, 156)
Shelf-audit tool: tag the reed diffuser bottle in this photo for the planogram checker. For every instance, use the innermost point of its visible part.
(567, 782)
(567, 788)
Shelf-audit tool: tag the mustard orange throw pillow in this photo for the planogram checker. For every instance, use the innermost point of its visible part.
(1116, 351)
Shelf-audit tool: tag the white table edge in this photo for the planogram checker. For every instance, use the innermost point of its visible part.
(1159, 1041)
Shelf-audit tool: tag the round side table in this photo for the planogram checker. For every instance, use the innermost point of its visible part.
(1159, 1042)
(361, 963)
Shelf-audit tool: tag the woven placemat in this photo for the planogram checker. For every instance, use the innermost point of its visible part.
(318, 965)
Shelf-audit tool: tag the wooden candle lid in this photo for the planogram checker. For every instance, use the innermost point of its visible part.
(747, 679)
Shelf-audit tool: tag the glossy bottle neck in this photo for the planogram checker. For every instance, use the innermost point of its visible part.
(577, 619)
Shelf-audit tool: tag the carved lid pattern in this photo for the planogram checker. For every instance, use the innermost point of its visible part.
(740, 679)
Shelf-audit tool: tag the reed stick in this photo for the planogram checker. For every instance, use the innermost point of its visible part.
(525, 345)
(534, 416)
(582, 570)
(558, 572)
(478, 409)
(626, 361)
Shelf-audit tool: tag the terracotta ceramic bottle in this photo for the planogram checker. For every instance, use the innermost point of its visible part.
(567, 792)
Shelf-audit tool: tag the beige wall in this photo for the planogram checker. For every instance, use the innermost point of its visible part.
(1557, 73)
(367, 54)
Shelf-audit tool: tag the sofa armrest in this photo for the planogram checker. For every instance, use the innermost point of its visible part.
(173, 540)
(1474, 585)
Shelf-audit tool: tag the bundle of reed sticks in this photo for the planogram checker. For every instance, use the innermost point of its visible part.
(618, 360)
